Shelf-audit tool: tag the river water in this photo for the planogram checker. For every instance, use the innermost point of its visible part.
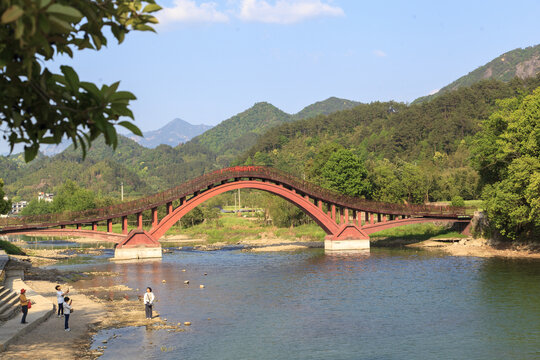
(390, 304)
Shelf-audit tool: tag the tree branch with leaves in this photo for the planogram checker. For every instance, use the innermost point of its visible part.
(38, 106)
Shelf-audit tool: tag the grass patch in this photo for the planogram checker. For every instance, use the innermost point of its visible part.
(311, 232)
(10, 248)
(477, 204)
(233, 228)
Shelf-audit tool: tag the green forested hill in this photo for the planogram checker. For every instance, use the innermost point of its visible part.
(418, 152)
(328, 106)
(240, 131)
(144, 170)
(522, 63)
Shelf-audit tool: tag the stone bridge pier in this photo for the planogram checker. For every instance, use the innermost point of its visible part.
(349, 237)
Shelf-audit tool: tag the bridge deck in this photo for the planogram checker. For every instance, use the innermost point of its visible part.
(206, 182)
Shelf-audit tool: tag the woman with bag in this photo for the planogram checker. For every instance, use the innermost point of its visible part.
(25, 305)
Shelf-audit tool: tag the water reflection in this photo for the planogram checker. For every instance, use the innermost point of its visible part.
(308, 305)
(55, 243)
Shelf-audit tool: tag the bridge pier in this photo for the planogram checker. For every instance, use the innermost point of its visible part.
(137, 245)
(349, 237)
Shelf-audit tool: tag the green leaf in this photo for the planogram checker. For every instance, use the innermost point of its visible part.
(121, 109)
(44, 3)
(17, 119)
(97, 41)
(11, 14)
(68, 12)
(61, 24)
(92, 89)
(30, 152)
(142, 27)
(122, 96)
(151, 8)
(71, 77)
(111, 137)
(19, 29)
(48, 140)
(82, 143)
(131, 127)
(109, 90)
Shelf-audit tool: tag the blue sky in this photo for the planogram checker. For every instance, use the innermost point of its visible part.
(212, 60)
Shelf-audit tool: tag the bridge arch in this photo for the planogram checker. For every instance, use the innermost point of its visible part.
(319, 216)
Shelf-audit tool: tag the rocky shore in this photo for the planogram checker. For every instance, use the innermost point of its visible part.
(468, 247)
(91, 314)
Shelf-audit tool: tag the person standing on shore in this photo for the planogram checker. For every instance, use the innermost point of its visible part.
(148, 302)
(68, 309)
(24, 305)
(60, 298)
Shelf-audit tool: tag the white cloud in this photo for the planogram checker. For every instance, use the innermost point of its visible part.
(433, 92)
(187, 11)
(286, 11)
(379, 53)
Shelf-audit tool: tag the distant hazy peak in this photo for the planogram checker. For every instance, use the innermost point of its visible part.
(173, 133)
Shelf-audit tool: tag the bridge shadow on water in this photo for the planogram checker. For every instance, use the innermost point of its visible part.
(413, 234)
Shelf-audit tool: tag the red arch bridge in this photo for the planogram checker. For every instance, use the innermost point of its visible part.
(347, 221)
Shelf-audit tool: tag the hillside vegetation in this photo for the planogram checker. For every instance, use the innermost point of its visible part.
(521, 63)
(143, 170)
(413, 153)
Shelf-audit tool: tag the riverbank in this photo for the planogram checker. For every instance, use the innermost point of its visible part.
(268, 242)
(467, 247)
(91, 314)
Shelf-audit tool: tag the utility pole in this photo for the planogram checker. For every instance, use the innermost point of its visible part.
(122, 191)
(239, 206)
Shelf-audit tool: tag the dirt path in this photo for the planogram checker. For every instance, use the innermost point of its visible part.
(49, 340)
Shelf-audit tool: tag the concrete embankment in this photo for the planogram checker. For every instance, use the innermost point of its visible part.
(40, 311)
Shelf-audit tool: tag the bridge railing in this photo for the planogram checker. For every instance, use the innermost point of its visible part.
(256, 172)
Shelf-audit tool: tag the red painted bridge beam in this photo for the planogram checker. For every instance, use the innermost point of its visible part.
(139, 221)
(154, 217)
(124, 225)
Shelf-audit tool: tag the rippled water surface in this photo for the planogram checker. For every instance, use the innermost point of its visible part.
(391, 304)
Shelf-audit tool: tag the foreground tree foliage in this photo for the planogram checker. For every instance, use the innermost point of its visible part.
(507, 155)
(40, 107)
(5, 205)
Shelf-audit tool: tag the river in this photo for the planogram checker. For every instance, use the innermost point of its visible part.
(390, 304)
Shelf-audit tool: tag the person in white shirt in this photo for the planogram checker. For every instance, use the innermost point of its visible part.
(148, 302)
(60, 298)
(68, 309)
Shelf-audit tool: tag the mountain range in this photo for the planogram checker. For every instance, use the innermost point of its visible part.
(175, 132)
(144, 170)
(264, 132)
